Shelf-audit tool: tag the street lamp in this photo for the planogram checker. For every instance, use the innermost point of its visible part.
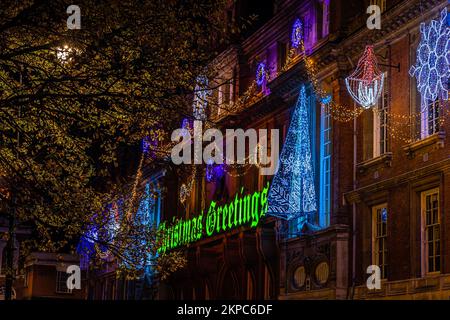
(64, 53)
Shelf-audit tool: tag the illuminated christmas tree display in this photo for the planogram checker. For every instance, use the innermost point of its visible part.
(292, 193)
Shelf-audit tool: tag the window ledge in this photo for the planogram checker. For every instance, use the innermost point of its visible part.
(383, 160)
(435, 141)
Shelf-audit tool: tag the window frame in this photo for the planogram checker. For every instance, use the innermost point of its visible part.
(424, 232)
(376, 238)
(60, 280)
(326, 145)
(381, 123)
(430, 115)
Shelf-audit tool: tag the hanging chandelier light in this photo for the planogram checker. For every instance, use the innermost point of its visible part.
(365, 84)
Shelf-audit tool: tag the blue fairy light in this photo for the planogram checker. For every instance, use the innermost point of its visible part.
(214, 171)
(261, 74)
(297, 33)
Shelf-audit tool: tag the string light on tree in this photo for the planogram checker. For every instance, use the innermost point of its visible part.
(201, 94)
(365, 84)
(63, 53)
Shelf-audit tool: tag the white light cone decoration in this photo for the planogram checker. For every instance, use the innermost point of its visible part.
(292, 194)
(365, 84)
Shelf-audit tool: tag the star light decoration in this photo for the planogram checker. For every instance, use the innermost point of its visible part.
(297, 33)
(433, 60)
(365, 84)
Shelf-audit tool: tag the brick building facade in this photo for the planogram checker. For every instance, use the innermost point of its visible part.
(381, 179)
(381, 184)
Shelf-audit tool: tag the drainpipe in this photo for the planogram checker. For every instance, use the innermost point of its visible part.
(354, 188)
(354, 207)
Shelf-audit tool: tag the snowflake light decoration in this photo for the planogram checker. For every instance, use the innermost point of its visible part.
(297, 33)
(433, 60)
(201, 94)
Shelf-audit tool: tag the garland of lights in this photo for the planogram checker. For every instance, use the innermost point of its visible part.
(341, 113)
(430, 83)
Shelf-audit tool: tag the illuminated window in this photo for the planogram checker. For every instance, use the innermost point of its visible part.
(432, 116)
(379, 237)
(431, 228)
(380, 125)
(325, 166)
(61, 282)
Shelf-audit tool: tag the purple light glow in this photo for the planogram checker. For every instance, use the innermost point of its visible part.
(214, 171)
(297, 33)
(261, 74)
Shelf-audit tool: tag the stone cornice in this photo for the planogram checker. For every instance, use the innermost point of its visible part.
(398, 19)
